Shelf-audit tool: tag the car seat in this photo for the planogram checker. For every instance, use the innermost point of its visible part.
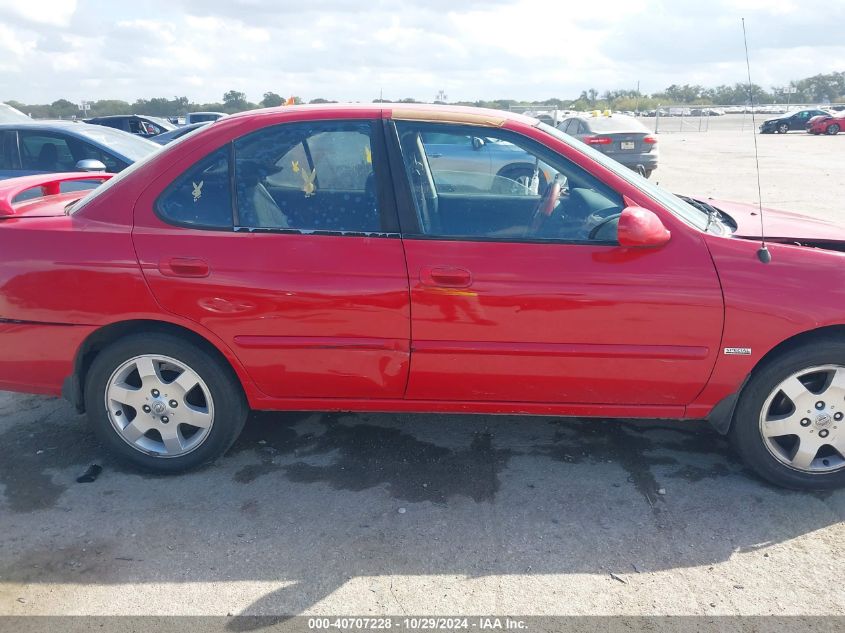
(48, 157)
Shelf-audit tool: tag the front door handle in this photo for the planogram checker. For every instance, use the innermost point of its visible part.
(445, 277)
(184, 267)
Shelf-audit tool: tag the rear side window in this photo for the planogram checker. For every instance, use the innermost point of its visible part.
(201, 197)
(315, 175)
(42, 151)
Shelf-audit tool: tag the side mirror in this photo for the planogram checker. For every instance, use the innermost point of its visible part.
(640, 227)
(90, 164)
(477, 142)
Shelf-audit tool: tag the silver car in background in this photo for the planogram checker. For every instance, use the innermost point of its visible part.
(620, 137)
(497, 165)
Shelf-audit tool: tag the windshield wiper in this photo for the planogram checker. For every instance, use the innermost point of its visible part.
(71, 203)
(711, 211)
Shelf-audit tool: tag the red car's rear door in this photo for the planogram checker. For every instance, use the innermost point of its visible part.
(308, 283)
(511, 304)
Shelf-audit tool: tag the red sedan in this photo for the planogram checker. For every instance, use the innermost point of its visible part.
(311, 258)
(827, 124)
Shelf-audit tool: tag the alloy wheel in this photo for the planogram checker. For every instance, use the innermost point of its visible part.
(159, 405)
(802, 420)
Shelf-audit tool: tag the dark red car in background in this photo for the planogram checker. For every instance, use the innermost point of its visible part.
(311, 258)
(826, 124)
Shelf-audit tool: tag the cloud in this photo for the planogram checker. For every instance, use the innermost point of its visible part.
(56, 12)
(349, 50)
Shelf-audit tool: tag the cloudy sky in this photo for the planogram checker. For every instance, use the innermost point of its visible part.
(350, 49)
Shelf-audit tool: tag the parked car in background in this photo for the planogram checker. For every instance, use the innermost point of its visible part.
(790, 122)
(826, 123)
(199, 117)
(140, 125)
(257, 265)
(707, 111)
(172, 135)
(481, 163)
(36, 147)
(620, 137)
(8, 114)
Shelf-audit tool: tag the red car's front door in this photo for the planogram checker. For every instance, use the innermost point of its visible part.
(307, 284)
(516, 299)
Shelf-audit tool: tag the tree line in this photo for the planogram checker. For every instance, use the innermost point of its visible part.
(822, 88)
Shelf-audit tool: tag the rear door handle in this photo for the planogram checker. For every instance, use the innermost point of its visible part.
(445, 277)
(184, 267)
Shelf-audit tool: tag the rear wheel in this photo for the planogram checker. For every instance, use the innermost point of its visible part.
(832, 129)
(789, 424)
(783, 128)
(163, 404)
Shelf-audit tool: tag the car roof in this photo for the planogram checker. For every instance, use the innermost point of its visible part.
(402, 111)
(44, 124)
(104, 137)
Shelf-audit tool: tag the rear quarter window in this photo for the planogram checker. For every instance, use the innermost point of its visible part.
(201, 197)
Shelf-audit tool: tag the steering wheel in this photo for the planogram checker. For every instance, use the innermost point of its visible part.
(546, 206)
(598, 227)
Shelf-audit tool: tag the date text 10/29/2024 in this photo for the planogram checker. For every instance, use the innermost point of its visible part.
(480, 623)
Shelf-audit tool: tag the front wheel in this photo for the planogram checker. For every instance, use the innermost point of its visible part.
(832, 129)
(789, 424)
(163, 404)
(783, 128)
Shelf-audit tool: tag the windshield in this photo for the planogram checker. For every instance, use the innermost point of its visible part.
(164, 123)
(128, 145)
(684, 211)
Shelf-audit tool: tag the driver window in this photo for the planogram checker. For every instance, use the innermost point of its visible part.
(516, 190)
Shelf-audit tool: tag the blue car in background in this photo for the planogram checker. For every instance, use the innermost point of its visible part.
(39, 147)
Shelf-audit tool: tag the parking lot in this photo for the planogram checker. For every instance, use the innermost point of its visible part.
(422, 514)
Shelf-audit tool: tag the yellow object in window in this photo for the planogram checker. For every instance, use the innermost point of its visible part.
(308, 185)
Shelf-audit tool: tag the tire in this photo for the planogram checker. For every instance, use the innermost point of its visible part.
(832, 129)
(647, 173)
(796, 425)
(783, 128)
(159, 436)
